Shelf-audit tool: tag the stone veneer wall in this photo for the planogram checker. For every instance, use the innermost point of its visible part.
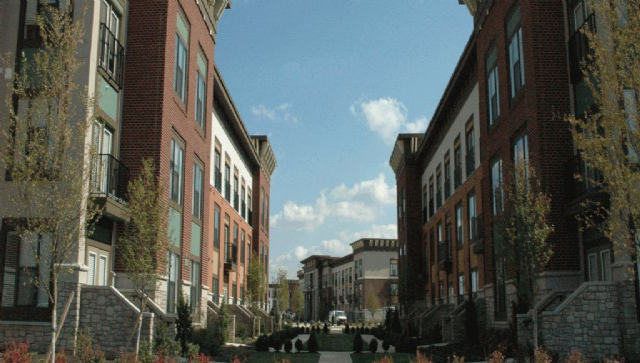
(111, 318)
(598, 318)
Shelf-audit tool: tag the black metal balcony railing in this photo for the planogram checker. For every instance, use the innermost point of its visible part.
(579, 48)
(109, 177)
(444, 251)
(470, 159)
(111, 55)
(457, 177)
(477, 228)
(447, 188)
(236, 198)
(218, 180)
(227, 191)
(231, 254)
(581, 179)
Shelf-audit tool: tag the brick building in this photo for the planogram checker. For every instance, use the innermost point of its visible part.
(348, 283)
(521, 73)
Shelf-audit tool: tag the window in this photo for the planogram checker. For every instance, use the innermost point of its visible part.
(262, 207)
(181, 71)
(425, 204)
(450, 293)
(447, 177)
(605, 260)
(218, 174)
(459, 229)
(110, 48)
(249, 208)
(521, 154)
(516, 60)
(474, 281)
(243, 205)
(195, 286)
(496, 186)
(460, 285)
(201, 91)
(592, 261)
(438, 188)
(102, 271)
(176, 178)
(394, 289)
(91, 275)
(197, 191)
(242, 246)
(393, 268)
(581, 12)
(21, 269)
(457, 165)
(236, 196)
(216, 289)
(216, 226)
(493, 96)
(227, 240)
(473, 222)
(470, 151)
(227, 182)
(266, 210)
(431, 197)
(173, 268)
(234, 250)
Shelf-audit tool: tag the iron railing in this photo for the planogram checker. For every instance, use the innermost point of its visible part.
(109, 177)
(111, 58)
(231, 254)
(444, 251)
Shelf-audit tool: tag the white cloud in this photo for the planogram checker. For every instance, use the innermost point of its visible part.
(387, 117)
(363, 202)
(300, 252)
(281, 112)
(336, 247)
(375, 231)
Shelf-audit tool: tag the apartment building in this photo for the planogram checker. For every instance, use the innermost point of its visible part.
(519, 73)
(346, 283)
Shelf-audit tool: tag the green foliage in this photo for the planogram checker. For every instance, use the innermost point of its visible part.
(373, 346)
(183, 324)
(262, 344)
(297, 300)
(193, 351)
(165, 346)
(386, 345)
(145, 355)
(85, 350)
(312, 343)
(357, 343)
(256, 282)
(298, 345)
(222, 328)
(288, 345)
(207, 339)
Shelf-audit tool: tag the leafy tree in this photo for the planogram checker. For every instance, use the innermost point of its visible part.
(523, 229)
(183, 323)
(144, 239)
(372, 303)
(256, 282)
(297, 300)
(607, 135)
(47, 156)
(282, 295)
(222, 328)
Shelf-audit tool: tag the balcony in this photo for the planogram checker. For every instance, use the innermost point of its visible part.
(582, 182)
(444, 255)
(470, 159)
(231, 257)
(457, 176)
(579, 48)
(218, 180)
(111, 58)
(109, 180)
(227, 191)
(477, 234)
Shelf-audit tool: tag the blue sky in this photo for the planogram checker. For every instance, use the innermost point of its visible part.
(332, 83)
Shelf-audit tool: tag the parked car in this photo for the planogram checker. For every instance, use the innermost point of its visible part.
(337, 317)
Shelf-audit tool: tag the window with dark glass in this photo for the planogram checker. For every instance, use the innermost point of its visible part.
(242, 246)
(195, 286)
(438, 188)
(227, 182)
(457, 164)
(176, 167)
(216, 226)
(493, 87)
(470, 151)
(217, 177)
(459, 228)
(181, 58)
(201, 90)
(197, 191)
(497, 194)
(447, 177)
(521, 154)
(516, 59)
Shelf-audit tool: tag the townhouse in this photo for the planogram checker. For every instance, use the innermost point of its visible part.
(350, 283)
(518, 75)
(177, 112)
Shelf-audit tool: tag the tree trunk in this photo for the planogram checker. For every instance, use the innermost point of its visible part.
(143, 304)
(54, 318)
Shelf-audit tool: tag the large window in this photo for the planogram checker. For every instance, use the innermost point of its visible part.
(459, 228)
(195, 286)
(110, 48)
(394, 289)
(470, 150)
(457, 164)
(243, 205)
(242, 247)
(236, 196)
(438, 188)
(431, 197)
(496, 186)
(173, 269)
(176, 178)
(521, 154)
(216, 226)
(201, 91)
(181, 62)
(460, 285)
(493, 87)
(227, 240)
(197, 191)
(227, 182)
(217, 177)
(262, 207)
(21, 268)
(393, 268)
(447, 177)
(516, 60)
(473, 223)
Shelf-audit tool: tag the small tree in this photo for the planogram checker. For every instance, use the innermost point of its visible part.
(524, 229)
(144, 238)
(607, 135)
(183, 323)
(48, 159)
(297, 300)
(256, 282)
(372, 303)
(222, 328)
(282, 296)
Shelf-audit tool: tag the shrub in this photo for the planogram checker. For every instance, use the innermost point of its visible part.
(61, 357)
(407, 345)
(131, 358)
(496, 357)
(84, 349)
(307, 330)
(386, 359)
(386, 345)
(387, 319)
(373, 345)
(145, 355)
(395, 322)
(288, 345)
(575, 357)
(366, 330)
(208, 339)
(193, 351)
(422, 359)
(298, 345)
(357, 343)
(262, 344)
(346, 329)
(325, 329)
(183, 324)
(541, 356)
(472, 330)
(312, 344)
(164, 344)
(17, 353)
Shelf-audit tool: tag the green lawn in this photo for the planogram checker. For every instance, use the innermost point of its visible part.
(335, 342)
(369, 358)
(264, 357)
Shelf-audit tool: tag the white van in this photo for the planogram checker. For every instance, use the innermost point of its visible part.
(337, 317)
